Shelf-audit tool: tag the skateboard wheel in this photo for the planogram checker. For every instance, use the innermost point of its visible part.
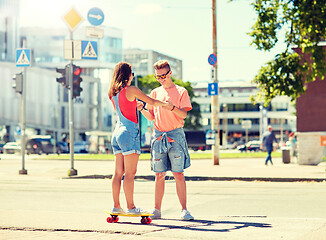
(109, 219)
(115, 219)
(149, 220)
(143, 221)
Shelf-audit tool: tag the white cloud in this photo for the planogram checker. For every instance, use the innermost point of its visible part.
(148, 9)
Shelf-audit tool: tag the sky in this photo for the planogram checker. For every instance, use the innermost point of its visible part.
(178, 28)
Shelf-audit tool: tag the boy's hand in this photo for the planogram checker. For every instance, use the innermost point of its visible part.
(169, 106)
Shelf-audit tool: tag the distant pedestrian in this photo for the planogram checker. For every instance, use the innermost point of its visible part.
(268, 140)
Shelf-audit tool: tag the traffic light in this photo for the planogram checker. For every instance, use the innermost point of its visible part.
(77, 80)
(63, 80)
(18, 82)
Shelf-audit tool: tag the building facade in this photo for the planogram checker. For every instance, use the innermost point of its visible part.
(47, 101)
(142, 61)
(235, 107)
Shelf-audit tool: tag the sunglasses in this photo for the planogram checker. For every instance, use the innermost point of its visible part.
(162, 76)
(133, 74)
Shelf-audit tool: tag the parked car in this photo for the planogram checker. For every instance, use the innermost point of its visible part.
(249, 146)
(253, 146)
(242, 148)
(81, 147)
(196, 140)
(11, 148)
(41, 144)
(63, 146)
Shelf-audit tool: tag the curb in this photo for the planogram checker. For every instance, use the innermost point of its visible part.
(203, 178)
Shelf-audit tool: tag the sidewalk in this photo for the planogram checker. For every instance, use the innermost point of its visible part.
(200, 170)
(46, 204)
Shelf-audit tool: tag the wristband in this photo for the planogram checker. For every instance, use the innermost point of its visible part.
(172, 108)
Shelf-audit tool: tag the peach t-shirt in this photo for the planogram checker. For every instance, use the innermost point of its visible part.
(166, 120)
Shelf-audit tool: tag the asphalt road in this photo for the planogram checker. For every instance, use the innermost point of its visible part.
(32, 208)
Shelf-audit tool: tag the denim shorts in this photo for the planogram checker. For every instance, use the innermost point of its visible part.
(124, 141)
(173, 160)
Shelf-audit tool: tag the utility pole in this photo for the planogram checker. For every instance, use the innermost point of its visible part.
(215, 124)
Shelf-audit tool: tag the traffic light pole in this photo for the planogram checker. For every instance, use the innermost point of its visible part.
(215, 123)
(71, 171)
(23, 122)
(23, 118)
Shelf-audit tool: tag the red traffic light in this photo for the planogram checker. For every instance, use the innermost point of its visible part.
(77, 71)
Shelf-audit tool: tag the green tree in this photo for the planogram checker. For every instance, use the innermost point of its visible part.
(302, 24)
(192, 121)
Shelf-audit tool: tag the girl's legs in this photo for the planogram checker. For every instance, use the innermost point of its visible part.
(116, 180)
(131, 162)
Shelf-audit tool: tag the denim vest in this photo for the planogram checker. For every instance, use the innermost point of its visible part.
(178, 136)
(132, 127)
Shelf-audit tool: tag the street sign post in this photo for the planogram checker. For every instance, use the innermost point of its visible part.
(72, 18)
(212, 89)
(89, 50)
(213, 74)
(23, 57)
(72, 50)
(95, 16)
(246, 124)
(94, 32)
(212, 59)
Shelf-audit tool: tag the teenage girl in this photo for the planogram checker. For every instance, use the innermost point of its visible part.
(125, 138)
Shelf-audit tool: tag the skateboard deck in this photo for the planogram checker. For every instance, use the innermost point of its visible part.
(145, 217)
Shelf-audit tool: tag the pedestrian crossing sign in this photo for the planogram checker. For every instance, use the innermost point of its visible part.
(23, 57)
(89, 50)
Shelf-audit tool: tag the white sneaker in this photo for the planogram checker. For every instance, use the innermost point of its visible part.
(185, 215)
(118, 210)
(157, 214)
(136, 211)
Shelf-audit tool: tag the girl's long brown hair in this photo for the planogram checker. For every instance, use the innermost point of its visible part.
(120, 78)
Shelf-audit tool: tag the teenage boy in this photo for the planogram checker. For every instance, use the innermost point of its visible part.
(169, 148)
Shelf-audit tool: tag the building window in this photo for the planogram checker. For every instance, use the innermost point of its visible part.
(63, 118)
(205, 108)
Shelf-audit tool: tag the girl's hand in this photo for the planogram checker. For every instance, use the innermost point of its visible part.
(140, 105)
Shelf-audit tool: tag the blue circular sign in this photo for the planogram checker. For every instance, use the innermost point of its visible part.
(212, 59)
(95, 16)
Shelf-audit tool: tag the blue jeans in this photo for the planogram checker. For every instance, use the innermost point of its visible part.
(269, 155)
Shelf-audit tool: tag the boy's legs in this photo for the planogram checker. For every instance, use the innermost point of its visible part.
(181, 188)
(177, 159)
(159, 189)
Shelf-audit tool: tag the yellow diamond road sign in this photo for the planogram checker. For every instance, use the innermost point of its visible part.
(72, 18)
